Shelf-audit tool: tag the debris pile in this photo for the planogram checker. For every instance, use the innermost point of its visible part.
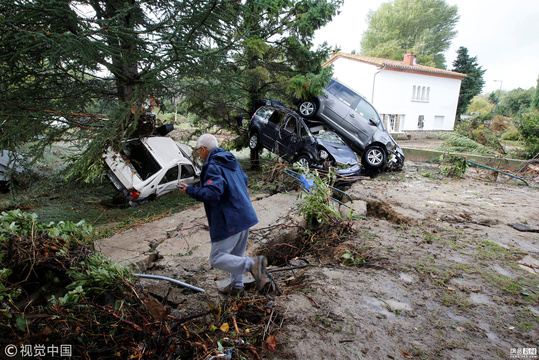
(55, 289)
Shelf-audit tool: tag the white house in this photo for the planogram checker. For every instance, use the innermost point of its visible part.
(409, 97)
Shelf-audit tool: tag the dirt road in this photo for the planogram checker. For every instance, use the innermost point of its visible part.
(446, 276)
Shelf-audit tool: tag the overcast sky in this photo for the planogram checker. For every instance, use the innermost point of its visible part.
(504, 35)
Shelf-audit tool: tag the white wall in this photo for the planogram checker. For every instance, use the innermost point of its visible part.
(393, 93)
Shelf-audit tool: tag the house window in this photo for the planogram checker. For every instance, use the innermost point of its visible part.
(421, 122)
(392, 122)
(421, 93)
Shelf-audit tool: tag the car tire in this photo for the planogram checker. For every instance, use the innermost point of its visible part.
(304, 161)
(308, 108)
(254, 141)
(374, 157)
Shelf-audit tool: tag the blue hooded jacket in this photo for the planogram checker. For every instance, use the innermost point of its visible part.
(223, 190)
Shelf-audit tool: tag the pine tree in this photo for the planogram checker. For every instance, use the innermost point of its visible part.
(274, 52)
(60, 57)
(473, 83)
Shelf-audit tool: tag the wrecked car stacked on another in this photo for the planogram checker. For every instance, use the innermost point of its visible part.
(357, 122)
(284, 132)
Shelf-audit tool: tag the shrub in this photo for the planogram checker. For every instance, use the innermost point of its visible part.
(453, 166)
(528, 126)
(458, 143)
(319, 208)
(500, 123)
(510, 133)
(478, 130)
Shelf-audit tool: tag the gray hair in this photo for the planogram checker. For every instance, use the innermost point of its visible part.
(208, 141)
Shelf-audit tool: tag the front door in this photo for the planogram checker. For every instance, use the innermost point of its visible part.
(170, 181)
(271, 131)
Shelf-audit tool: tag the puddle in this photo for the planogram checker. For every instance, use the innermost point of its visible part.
(406, 278)
(481, 299)
(534, 311)
(457, 317)
(397, 305)
(386, 307)
(490, 335)
(502, 271)
(376, 306)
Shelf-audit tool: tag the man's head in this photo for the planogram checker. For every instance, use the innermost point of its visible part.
(205, 144)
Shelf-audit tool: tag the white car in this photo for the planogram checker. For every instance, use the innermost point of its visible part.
(149, 167)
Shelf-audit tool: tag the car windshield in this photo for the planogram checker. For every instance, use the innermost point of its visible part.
(329, 136)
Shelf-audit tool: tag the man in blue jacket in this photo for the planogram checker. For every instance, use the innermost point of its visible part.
(223, 190)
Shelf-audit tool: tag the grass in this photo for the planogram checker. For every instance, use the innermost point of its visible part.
(91, 202)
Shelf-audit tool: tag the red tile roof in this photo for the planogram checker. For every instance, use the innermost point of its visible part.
(396, 65)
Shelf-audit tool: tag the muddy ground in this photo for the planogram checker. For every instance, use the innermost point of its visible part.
(438, 274)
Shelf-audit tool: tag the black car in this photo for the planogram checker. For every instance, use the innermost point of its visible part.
(284, 132)
(357, 122)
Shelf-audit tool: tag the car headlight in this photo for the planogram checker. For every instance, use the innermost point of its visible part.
(324, 154)
(390, 146)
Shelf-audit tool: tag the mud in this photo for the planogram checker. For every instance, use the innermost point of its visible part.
(446, 276)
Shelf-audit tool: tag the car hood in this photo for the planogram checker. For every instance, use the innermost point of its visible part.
(340, 152)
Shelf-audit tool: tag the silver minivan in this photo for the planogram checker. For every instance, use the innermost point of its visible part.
(357, 122)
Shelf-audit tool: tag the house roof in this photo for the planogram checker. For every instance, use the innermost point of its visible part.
(396, 65)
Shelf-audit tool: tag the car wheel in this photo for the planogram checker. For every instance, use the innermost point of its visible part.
(374, 157)
(254, 141)
(308, 109)
(304, 161)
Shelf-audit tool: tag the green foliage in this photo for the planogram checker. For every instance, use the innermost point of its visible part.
(535, 101)
(22, 224)
(458, 143)
(480, 105)
(7, 293)
(510, 134)
(453, 166)
(274, 46)
(404, 25)
(473, 83)
(310, 85)
(61, 58)
(513, 102)
(351, 260)
(528, 127)
(474, 136)
(318, 208)
(92, 277)
(24, 228)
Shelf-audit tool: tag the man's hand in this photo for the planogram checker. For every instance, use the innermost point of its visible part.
(183, 188)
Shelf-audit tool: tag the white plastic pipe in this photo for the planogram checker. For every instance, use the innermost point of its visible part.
(158, 277)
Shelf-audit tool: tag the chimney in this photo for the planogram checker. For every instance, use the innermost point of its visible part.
(409, 59)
